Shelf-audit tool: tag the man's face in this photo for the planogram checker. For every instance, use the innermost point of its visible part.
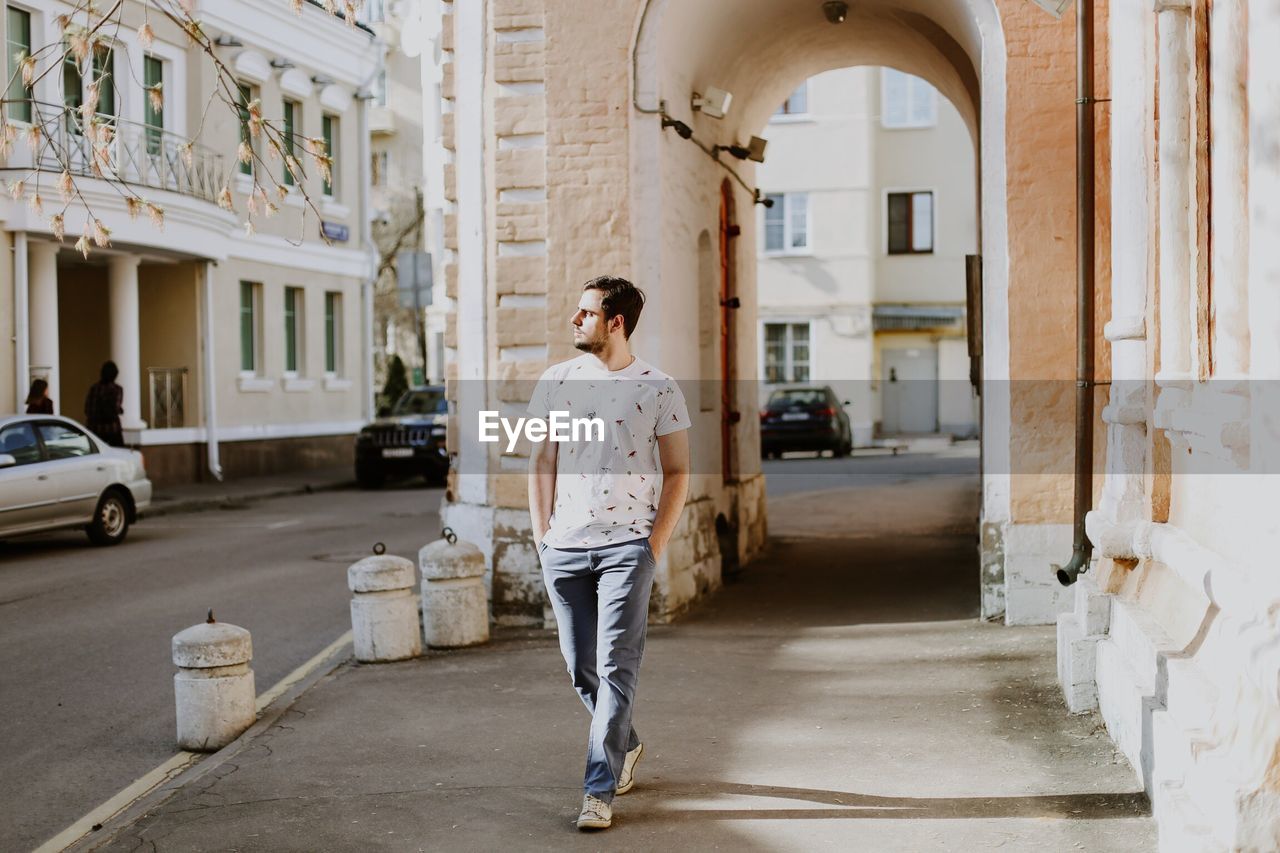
(590, 329)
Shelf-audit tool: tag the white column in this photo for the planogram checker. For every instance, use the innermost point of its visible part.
(1228, 117)
(42, 277)
(122, 280)
(1175, 190)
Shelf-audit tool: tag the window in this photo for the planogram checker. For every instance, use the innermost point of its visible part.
(72, 90)
(292, 118)
(19, 441)
(18, 44)
(246, 97)
(249, 347)
(329, 130)
(332, 332)
(786, 352)
(153, 116)
(63, 441)
(104, 63)
(910, 223)
(797, 103)
(906, 101)
(380, 89)
(378, 168)
(292, 317)
(786, 224)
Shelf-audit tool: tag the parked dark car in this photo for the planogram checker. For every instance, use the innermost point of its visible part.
(407, 440)
(807, 418)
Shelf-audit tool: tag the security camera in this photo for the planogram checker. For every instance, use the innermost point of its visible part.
(714, 103)
(681, 128)
(836, 11)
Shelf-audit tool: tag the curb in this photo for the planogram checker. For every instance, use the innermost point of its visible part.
(199, 504)
(122, 820)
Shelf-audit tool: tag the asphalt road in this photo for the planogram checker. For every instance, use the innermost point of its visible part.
(86, 689)
(809, 472)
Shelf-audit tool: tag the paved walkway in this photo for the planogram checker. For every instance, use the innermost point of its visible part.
(840, 695)
(192, 497)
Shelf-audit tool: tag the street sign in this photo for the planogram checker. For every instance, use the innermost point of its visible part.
(413, 278)
(335, 231)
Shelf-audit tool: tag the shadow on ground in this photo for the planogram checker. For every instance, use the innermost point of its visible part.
(840, 694)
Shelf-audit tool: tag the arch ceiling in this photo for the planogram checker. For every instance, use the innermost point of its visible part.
(760, 50)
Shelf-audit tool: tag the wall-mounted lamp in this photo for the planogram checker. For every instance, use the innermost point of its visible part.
(681, 128)
(282, 64)
(753, 150)
(228, 41)
(759, 199)
(715, 103)
(322, 80)
(836, 11)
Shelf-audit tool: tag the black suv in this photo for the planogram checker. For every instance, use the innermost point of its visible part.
(810, 418)
(410, 439)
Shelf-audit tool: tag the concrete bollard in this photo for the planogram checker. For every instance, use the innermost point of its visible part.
(384, 610)
(213, 687)
(455, 607)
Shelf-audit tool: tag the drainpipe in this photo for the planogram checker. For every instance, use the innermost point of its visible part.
(371, 258)
(21, 324)
(210, 378)
(1081, 549)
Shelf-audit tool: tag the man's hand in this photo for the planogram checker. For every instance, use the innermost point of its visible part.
(542, 487)
(673, 452)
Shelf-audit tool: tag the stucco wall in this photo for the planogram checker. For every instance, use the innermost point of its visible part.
(169, 331)
(1040, 134)
(316, 404)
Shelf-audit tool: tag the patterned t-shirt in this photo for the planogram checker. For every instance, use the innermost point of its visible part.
(607, 491)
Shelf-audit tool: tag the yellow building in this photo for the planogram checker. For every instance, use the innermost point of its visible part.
(238, 353)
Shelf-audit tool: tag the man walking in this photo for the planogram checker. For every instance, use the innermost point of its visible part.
(603, 512)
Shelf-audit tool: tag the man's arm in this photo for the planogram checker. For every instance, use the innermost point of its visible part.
(542, 486)
(673, 451)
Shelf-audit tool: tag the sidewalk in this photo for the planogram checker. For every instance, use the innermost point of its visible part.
(192, 497)
(841, 695)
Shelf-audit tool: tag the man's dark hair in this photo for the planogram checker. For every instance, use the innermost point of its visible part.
(618, 296)
(109, 372)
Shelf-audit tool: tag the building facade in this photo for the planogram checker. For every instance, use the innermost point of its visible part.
(397, 123)
(577, 150)
(239, 353)
(1175, 635)
(861, 274)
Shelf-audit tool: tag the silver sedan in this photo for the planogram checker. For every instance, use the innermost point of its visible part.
(54, 473)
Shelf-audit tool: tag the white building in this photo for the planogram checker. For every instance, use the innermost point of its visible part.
(862, 257)
(238, 354)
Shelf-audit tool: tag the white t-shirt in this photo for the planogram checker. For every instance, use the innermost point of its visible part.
(607, 491)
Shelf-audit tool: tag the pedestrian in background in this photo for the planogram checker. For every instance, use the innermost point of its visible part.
(38, 401)
(104, 404)
(603, 511)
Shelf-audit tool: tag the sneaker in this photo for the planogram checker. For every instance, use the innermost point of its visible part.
(596, 814)
(629, 769)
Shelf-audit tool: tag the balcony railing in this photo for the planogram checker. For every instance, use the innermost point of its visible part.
(138, 154)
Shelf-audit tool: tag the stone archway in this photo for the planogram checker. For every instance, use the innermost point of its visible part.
(760, 51)
(561, 169)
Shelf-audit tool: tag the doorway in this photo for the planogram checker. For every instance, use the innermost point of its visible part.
(910, 382)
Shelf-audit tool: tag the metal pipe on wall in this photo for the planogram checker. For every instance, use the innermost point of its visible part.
(210, 378)
(21, 324)
(1081, 549)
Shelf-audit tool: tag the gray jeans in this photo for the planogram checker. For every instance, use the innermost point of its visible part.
(601, 600)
